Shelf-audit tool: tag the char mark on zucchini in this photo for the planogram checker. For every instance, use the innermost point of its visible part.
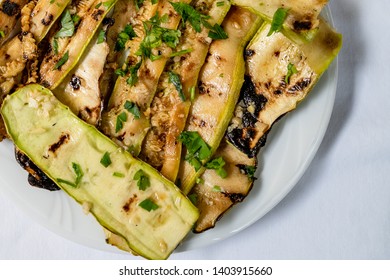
(241, 132)
(36, 177)
(10, 8)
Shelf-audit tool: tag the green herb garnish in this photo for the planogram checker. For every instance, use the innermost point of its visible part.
(197, 148)
(278, 20)
(148, 205)
(142, 178)
(133, 71)
(132, 108)
(220, 3)
(101, 37)
(155, 36)
(79, 175)
(128, 33)
(55, 46)
(2, 34)
(106, 160)
(179, 53)
(120, 119)
(197, 20)
(118, 174)
(290, 71)
(175, 80)
(217, 32)
(217, 164)
(67, 26)
(217, 189)
(62, 61)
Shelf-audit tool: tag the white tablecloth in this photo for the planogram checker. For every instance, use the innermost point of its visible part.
(340, 209)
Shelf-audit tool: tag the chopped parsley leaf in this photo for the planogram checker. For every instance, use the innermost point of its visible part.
(128, 33)
(67, 26)
(290, 71)
(220, 3)
(120, 119)
(278, 20)
(155, 36)
(62, 61)
(132, 108)
(133, 70)
(2, 34)
(217, 164)
(118, 174)
(197, 148)
(175, 80)
(148, 205)
(101, 37)
(106, 160)
(180, 53)
(196, 20)
(217, 189)
(79, 175)
(217, 32)
(55, 46)
(142, 178)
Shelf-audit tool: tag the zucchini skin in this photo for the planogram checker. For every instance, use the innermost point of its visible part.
(219, 86)
(54, 138)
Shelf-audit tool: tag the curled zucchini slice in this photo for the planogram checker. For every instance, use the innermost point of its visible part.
(219, 84)
(279, 74)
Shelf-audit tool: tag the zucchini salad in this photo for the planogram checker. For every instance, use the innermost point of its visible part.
(151, 113)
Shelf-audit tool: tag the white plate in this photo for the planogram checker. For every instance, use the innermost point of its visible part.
(290, 147)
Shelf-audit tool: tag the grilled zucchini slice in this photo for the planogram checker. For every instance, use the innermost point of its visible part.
(9, 15)
(56, 65)
(127, 196)
(146, 72)
(170, 108)
(280, 74)
(80, 89)
(301, 23)
(266, 96)
(219, 86)
(44, 15)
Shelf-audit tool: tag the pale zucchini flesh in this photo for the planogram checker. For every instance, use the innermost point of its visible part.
(80, 89)
(219, 86)
(70, 152)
